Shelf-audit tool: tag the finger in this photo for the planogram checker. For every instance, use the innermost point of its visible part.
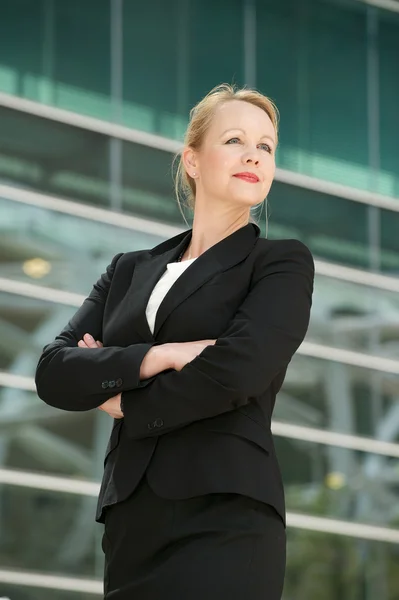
(99, 344)
(81, 344)
(89, 341)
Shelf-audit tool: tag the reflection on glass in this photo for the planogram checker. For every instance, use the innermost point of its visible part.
(334, 228)
(51, 69)
(73, 163)
(356, 317)
(318, 137)
(70, 162)
(49, 532)
(330, 567)
(338, 483)
(388, 47)
(39, 438)
(189, 68)
(338, 397)
(389, 247)
(58, 250)
(322, 134)
(52, 157)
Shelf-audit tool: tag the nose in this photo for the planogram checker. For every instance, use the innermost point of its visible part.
(251, 157)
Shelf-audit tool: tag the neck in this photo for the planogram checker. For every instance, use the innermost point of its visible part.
(209, 229)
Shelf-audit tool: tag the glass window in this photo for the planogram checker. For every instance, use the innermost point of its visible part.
(389, 239)
(332, 567)
(57, 53)
(338, 483)
(51, 157)
(21, 47)
(172, 54)
(189, 47)
(354, 317)
(49, 532)
(147, 183)
(78, 50)
(334, 228)
(338, 397)
(61, 251)
(39, 438)
(74, 163)
(319, 82)
(388, 37)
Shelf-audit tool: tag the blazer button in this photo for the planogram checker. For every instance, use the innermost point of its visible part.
(104, 385)
(111, 384)
(158, 422)
(150, 425)
(119, 382)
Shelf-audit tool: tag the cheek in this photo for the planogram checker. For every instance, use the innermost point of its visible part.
(270, 170)
(218, 163)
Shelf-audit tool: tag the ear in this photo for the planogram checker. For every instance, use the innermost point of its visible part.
(190, 161)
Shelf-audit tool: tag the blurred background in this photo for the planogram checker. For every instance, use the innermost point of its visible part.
(94, 100)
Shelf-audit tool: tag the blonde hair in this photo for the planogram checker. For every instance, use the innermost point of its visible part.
(200, 119)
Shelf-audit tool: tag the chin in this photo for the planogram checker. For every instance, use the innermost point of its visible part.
(247, 201)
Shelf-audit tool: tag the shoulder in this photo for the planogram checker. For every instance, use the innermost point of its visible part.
(130, 259)
(280, 249)
(286, 255)
(123, 262)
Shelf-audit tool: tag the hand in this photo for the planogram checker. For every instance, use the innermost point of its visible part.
(89, 342)
(112, 406)
(184, 352)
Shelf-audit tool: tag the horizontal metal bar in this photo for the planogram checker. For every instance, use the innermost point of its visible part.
(103, 127)
(357, 276)
(338, 190)
(49, 482)
(164, 231)
(86, 211)
(20, 382)
(349, 357)
(37, 292)
(295, 520)
(52, 582)
(332, 438)
(158, 142)
(347, 528)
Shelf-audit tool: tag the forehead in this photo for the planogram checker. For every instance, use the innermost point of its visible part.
(238, 114)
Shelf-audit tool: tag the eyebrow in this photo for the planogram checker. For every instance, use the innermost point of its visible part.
(269, 137)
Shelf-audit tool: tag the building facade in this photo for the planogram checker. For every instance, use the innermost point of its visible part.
(94, 101)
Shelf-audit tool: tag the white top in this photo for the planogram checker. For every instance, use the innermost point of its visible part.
(172, 273)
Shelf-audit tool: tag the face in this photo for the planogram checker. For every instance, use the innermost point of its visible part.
(236, 162)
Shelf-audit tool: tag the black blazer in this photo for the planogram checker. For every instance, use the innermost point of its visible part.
(206, 428)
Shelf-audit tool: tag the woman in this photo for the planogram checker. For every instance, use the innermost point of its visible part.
(186, 346)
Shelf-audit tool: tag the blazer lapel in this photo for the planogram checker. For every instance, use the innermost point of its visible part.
(220, 257)
(146, 274)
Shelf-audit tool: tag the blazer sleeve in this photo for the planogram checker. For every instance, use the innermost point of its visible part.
(260, 341)
(73, 378)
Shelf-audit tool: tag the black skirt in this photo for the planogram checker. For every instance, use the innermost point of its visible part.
(209, 547)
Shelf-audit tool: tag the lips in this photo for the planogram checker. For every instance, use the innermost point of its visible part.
(249, 177)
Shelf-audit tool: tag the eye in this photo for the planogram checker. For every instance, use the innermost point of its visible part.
(267, 148)
(233, 140)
